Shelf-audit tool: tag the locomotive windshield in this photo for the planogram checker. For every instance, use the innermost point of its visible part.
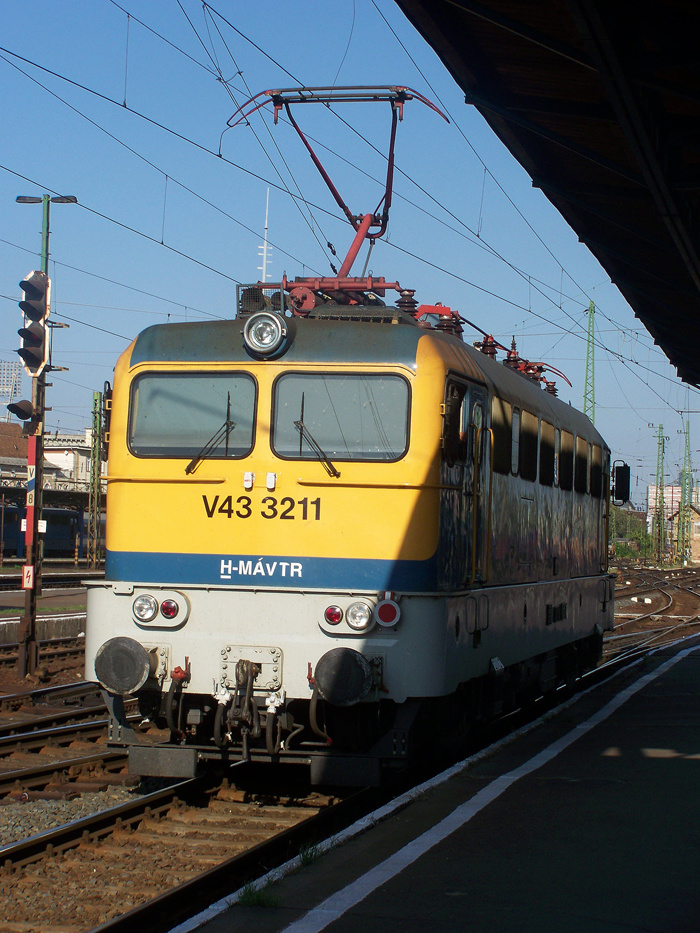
(350, 416)
(180, 414)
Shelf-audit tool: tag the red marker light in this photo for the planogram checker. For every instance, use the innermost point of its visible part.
(169, 608)
(333, 615)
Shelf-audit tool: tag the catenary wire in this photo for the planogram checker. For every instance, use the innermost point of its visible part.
(209, 151)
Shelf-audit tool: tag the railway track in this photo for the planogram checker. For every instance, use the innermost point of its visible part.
(50, 649)
(55, 579)
(161, 856)
(165, 855)
(168, 839)
(66, 778)
(54, 739)
(670, 610)
(44, 699)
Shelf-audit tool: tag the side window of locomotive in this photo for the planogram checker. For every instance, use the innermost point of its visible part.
(348, 416)
(181, 414)
(528, 445)
(501, 421)
(547, 459)
(581, 468)
(515, 443)
(455, 432)
(596, 471)
(566, 461)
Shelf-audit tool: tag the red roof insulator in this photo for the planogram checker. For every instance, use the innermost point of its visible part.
(550, 387)
(406, 301)
(449, 324)
(534, 370)
(512, 358)
(488, 346)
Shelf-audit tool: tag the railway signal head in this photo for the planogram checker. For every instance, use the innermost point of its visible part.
(620, 490)
(26, 411)
(36, 306)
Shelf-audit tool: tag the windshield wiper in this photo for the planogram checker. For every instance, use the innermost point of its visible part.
(320, 453)
(306, 435)
(221, 433)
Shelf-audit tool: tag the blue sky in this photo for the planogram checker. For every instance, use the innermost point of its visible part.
(130, 115)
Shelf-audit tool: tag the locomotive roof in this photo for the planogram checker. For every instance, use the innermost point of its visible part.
(339, 340)
(362, 340)
(524, 392)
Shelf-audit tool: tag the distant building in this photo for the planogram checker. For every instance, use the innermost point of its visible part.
(672, 500)
(13, 458)
(10, 383)
(13, 453)
(66, 458)
(70, 455)
(694, 532)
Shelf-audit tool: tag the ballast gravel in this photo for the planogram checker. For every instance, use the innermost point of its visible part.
(20, 820)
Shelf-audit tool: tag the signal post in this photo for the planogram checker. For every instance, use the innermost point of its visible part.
(35, 350)
(36, 355)
(31, 572)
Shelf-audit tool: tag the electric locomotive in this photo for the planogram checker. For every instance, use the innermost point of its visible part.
(337, 534)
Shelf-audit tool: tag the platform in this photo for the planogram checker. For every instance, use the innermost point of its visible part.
(588, 823)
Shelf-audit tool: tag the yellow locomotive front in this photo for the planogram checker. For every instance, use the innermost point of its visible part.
(265, 509)
(334, 531)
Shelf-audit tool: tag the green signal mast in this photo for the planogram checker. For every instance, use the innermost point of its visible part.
(684, 512)
(659, 521)
(589, 387)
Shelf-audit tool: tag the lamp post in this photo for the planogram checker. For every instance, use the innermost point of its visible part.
(31, 574)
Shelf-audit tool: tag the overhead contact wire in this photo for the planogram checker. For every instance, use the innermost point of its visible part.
(304, 201)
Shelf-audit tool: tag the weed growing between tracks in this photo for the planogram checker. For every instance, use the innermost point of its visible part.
(251, 896)
(308, 854)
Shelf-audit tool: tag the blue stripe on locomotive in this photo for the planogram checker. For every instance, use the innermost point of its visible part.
(276, 572)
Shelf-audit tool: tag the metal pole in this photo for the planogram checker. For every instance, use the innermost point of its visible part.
(46, 201)
(589, 389)
(31, 576)
(2, 529)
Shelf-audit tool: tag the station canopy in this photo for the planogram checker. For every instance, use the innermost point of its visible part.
(600, 104)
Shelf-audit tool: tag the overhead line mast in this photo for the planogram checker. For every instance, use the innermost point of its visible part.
(659, 510)
(684, 507)
(589, 386)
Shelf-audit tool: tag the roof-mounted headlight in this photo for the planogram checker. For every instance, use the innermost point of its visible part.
(266, 333)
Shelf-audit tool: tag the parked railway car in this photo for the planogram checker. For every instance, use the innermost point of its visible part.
(64, 536)
(337, 534)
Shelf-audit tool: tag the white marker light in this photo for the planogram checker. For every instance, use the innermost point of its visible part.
(359, 617)
(145, 608)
